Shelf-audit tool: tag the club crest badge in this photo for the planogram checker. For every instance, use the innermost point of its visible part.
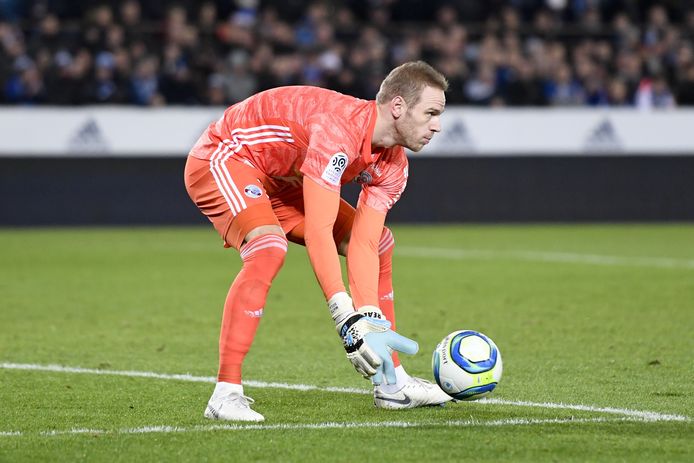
(364, 178)
(253, 191)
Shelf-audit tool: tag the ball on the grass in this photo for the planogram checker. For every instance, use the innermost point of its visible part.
(467, 365)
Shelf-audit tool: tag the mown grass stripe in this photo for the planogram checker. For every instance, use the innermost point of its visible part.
(544, 256)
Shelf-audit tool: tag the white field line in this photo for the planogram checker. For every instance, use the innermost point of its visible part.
(177, 377)
(326, 425)
(624, 412)
(542, 256)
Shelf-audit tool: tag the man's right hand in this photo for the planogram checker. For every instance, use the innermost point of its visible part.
(368, 339)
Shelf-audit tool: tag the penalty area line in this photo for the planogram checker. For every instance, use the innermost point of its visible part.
(544, 256)
(175, 377)
(640, 415)
(162, 429)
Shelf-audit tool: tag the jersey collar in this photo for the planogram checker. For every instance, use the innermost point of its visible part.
(366, 152)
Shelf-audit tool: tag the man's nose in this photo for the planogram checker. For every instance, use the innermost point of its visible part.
(435, 124)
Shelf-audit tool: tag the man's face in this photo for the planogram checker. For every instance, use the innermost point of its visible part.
(420, 122)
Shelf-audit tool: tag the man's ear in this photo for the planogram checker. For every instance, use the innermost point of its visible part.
(398, 107)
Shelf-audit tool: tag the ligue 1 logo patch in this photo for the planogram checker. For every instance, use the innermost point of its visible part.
(253, 191)
(335, 168)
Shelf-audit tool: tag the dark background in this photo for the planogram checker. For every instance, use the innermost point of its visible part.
(140, 191)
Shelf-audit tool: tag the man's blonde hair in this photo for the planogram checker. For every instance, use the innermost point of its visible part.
(408, 80)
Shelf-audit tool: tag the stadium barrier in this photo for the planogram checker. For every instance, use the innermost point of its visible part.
(171, 131)
(98, 165)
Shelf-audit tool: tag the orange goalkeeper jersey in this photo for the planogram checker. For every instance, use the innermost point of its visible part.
(289, 132)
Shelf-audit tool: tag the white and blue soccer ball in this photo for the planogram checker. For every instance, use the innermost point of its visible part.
(467, 365)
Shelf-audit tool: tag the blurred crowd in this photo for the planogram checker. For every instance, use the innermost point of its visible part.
(494, 52)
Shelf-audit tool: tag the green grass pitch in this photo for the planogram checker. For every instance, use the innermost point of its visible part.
(598, 316)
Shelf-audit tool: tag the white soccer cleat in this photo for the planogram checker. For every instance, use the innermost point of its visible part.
(232, 407)
(416, 392)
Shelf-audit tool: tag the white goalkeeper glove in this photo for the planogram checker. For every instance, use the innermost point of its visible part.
(368, 339)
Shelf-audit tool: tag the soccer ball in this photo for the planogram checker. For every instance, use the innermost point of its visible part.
(467, 365)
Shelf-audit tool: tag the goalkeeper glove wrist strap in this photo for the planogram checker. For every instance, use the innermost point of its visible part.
(341, 308)
(347, 337)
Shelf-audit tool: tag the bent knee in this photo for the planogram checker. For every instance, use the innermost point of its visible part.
(264, 254)
(264, 230)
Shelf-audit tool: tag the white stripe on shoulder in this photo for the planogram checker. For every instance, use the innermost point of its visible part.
(267, 133)
(261, 127)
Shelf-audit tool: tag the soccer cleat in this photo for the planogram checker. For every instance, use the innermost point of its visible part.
(416, 392)
(232, 407)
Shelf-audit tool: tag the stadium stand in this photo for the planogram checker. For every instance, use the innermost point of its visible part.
(495, 53)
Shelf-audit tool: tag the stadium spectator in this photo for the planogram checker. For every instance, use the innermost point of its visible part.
(144, 84)
(25, 85)
(481, 88)
(685, 88)
(618, 93)
(563, 89)
(654, 93)
(106, 87)
(523, 87)
(239, 80)
(500, 51)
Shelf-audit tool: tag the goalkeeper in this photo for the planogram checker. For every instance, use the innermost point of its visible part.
(269, 171)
